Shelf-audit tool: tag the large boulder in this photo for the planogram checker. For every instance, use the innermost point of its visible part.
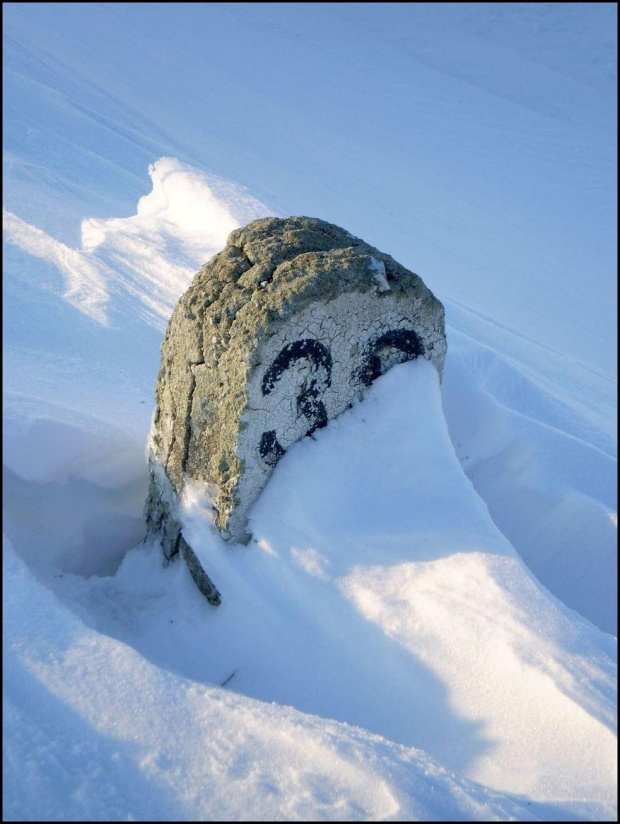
(278, 333)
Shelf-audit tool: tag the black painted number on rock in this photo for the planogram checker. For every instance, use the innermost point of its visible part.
(309, 403)
(380, 354)
(314, 351)
(395, 346)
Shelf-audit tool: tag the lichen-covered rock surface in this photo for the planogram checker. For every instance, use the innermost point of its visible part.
(278, 333)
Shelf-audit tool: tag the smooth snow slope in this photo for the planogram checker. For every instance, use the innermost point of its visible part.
(476, 144)
(94, 731)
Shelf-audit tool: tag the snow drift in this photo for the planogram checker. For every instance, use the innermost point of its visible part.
(424, 627)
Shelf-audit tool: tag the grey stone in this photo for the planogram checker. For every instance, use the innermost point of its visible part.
(278, 333)
(203, 582)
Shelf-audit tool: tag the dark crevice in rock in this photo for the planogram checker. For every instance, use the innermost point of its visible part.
(187, 429)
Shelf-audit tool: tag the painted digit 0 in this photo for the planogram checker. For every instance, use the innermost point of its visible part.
(404, 340)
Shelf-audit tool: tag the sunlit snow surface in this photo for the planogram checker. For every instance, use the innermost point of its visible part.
(420, 628)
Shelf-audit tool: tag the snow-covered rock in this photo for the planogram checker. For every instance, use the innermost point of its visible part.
(278, 333)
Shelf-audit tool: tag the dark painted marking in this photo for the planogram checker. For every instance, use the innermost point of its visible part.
(405, 340)
(309, 403)
(270, 449)
(311, 349)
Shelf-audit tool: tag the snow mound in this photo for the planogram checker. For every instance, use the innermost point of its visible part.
(374, 554)
(379, 647)
(93, 730)
(405, 626)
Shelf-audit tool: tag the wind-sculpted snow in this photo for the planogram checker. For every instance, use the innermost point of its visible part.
(130, 272)
(415, 614)
(151, 256)
(85, 279)
(417, 620)
(145, 743)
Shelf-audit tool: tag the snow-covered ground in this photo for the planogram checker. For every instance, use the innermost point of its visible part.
(424, 625)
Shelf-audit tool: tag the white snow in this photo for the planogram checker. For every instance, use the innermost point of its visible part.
(377, 267)
(86, 288)
(423, 627)
(96, 730)
(153, 255)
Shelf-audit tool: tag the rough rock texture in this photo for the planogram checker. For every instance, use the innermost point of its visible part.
(278, 333)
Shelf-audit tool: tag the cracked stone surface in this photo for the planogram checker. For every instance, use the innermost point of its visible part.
(278, 334)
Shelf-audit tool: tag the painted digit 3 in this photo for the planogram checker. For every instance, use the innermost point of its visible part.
(309, 403)
(374, 363)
